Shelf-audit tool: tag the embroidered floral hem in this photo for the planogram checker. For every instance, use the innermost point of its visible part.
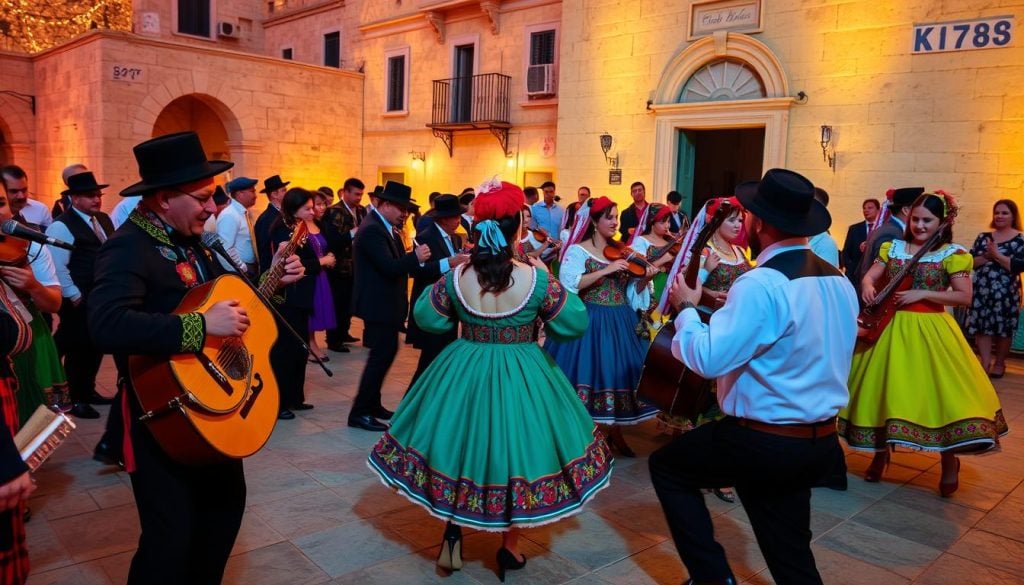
(618, 407)
(522, 502)
(973, 431)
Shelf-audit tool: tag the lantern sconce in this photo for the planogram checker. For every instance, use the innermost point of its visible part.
(828, 149)
(606, 145)
(417, 158)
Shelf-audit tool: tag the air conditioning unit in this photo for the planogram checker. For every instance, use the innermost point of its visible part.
(226, 28)
(540, 80)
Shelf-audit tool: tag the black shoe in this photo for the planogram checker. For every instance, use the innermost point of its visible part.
(350, 339)
(383, 413)
(83, 410)
(367, 423)
(285, 414)
(450, 557)
(338, 347)
(106, 454)
(95, 398)
(508, 562)
(302, 406)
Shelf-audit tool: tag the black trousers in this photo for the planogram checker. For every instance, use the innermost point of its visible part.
(341, 289)
(190, 516)
(287, 357)
(81, 359)
(431, 346)
(113, 434)
(382, 339)
(773, 477)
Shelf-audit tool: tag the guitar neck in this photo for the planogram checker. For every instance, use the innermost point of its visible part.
(273, 276)
(911, 264)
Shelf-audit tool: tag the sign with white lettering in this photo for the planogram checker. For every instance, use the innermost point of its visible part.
(615, 176)
(127, 73)
(993, 32)
(731, 15)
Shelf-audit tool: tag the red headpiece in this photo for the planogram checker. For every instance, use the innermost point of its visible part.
(600, 205)
(715, 203)
(663, 213)
(497, 199)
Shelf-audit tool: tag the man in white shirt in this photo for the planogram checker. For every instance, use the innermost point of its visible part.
(85, 226)
(25, 209)
(780, 350)
(235, 223)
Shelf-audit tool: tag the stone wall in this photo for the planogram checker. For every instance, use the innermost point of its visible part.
(247, 14)
(947, 120)
(17, 122)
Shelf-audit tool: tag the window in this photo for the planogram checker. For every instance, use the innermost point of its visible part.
(542, 48)
(194, 17)
(396, 71)
(332, 49)
(286, 53)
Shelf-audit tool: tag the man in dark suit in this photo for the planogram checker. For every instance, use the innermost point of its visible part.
(856, 236)
(142, 274)
(629, 219)
(444, 246)
(85, 226)
(275, 189)
(677, 221)
(380, 296)
(340, 225)
(899, 213)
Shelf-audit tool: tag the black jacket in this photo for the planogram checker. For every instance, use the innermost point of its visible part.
(856, 235)
(429, 273)
(380, 293)
(338, 223)
(261, 230)
(628, 219)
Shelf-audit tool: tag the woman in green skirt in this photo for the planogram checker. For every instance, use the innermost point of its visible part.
(492, 436)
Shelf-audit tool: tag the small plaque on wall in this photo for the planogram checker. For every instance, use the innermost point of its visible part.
(127, 73)
(615, 177)
(710, 16)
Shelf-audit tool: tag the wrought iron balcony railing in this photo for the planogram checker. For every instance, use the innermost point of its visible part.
(471, 103)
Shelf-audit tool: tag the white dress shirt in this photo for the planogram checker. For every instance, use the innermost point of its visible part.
(41, 263)
(123, 209)
(61, 257)
(233, 229)
(825, 247)
(780, 348)
(37, 213)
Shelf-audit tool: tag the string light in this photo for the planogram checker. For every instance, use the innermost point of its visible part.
(37, 25)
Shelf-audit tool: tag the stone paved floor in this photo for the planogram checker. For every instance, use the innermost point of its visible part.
(316, 515)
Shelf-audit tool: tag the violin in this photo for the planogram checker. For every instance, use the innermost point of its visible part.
(675, 244)
(540, 234)
(638, 263)
(13, 251)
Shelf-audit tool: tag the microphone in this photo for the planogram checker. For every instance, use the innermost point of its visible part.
(212, 240)
(12, 228)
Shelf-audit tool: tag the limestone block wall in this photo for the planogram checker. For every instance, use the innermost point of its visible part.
(273, 123)
(389, 138)
(302, 29)
(944, 120)
(247, 14)
(17, 123)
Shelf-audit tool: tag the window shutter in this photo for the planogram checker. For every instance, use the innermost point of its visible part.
(194, 17)
(332, 49)
(542, 47)
(396, 83)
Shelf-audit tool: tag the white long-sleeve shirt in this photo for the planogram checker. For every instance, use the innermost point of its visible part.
(781, 346)
(62, 257)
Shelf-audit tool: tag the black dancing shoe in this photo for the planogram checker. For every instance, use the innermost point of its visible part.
(383, 414)
(508, 562)
(450, 557)
(367, 423)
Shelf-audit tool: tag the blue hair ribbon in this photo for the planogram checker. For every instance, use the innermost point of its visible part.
(491, 237)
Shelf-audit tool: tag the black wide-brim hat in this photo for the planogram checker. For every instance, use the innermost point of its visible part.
(83, 182)
(274, 183)
(446, 206)
(172, 159)
(398, 193)
(785, 200)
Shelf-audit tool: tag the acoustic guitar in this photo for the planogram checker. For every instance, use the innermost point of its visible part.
(222, 401)
(877, 314)
(666, 382)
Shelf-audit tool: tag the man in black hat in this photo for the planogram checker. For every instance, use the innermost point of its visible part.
(894, 228)
(340, 225)
(381, 296)
(190, 515)
(780, 350)
(445, 254)
(275, 189)
(85, 226)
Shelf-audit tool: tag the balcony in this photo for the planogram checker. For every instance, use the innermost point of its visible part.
(477, 102)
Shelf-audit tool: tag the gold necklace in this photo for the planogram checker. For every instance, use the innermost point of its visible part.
(721, 249)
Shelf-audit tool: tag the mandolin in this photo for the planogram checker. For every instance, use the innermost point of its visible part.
(665, 381)
(877, 314)
(220, 402)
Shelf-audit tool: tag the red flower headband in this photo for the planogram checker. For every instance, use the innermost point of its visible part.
(663, 213)
(715, 203)
(600, 205)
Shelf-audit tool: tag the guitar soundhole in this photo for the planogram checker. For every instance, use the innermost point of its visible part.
(234, 359)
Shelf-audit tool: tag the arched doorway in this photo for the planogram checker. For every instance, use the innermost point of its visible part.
(721, 112)
(203, 115)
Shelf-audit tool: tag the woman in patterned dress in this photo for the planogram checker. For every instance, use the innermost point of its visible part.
(653, 241)
(492, 435)
(996, 305)
(919, 384)
(605, 364)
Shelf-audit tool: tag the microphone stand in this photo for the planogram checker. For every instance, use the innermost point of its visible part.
(240, 270)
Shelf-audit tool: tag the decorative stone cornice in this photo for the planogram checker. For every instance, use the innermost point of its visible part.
(492, 8)
(436, 21)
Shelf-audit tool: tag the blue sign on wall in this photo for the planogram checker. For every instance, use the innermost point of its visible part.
(964, 35)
